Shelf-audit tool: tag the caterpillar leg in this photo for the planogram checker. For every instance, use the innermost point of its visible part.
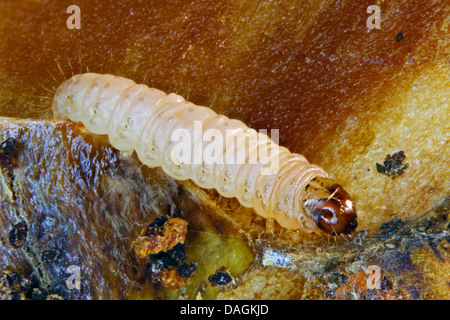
(330, 207)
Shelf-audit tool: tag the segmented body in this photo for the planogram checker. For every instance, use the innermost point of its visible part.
(142, 119)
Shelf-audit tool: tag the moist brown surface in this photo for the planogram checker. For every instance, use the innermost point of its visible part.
(340, 94)
(300, 67)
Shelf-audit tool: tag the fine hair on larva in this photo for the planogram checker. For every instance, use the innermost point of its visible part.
(163, 130)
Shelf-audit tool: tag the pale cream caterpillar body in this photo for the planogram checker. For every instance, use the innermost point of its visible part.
(297, 194)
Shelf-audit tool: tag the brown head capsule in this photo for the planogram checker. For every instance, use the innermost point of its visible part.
(331, 207)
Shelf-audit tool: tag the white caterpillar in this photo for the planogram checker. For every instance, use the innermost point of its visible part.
(138, 118)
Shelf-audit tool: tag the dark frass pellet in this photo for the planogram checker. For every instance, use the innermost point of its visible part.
(159, 222)
(186, 270)
(390, 227)
(9, 146)
(155, 227)
(172, 257)
(394, 165)
(220, 278)
(18, 234)
(49, 255)
(8, 153)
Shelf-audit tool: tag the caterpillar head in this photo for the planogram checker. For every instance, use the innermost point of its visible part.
(330, 207)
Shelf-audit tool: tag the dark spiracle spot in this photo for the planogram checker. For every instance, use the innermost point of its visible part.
(399, 36)
(220, 278)
(18, 235)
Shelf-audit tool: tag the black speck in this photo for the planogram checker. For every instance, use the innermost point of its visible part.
(186, 270)
(394, 165)
(172, 257)
(9, 146)
(154, 227)
(386, 284)
(18, 235)
(399, 36)
(158, 222)
(392, 226)
(14, 278)
(220, 278)
(380, 168)
(49, 255)
(336, 277)
(8, 153)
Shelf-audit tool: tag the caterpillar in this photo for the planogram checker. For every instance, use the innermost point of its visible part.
(161, 129)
